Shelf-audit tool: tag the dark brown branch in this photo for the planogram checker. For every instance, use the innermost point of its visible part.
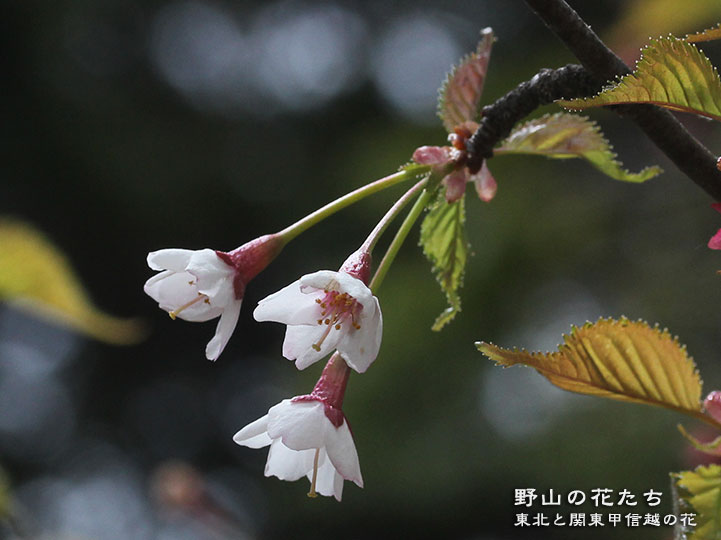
(545, 87)
(689, 155)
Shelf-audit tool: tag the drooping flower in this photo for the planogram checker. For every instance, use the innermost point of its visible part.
(715, 241)
(199, 285)
(328, 310)
(309, 436)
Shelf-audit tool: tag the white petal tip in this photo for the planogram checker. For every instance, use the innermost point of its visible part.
(212, 351)
(302, 364)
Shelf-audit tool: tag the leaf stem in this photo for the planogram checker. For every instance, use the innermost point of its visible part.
(290, 232)
(400, 237)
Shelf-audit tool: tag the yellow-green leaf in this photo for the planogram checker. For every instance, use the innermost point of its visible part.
(624, 360)
(443, 238)
(638, 19)
(700, 490)
(707, 35)
(563, 136)
(672, 73)
(460, 95)
(36, 276)
(713, 448)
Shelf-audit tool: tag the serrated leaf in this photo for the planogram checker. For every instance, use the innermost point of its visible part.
(707, 35)
(701, 490)
(672, 73)
(36, 276)
(443, 238)
(460, 94)
(415, 168)
(623, 360)
(563, 136)
(638, 19)
(712, 448)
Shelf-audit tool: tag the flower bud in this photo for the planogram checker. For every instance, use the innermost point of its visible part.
(712, 404)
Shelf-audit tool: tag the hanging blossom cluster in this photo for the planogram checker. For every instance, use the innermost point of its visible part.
(328, 313)
(324, 312)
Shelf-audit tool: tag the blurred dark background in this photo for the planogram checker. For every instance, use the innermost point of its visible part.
(132, 126)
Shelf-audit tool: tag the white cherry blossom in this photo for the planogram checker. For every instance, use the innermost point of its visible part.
(305, 442)
(326, 311)
(197, 286)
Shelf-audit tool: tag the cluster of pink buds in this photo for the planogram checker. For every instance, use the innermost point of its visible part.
(455, 157)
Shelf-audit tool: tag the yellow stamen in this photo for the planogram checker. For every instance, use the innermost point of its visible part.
(312, 494)
(173, 314)
(316, 346)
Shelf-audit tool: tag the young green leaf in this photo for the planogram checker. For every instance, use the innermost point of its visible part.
(713, 448)
(460, 94)
(672, 73)
(623, 360)
(443, 238)
(564, 135)
(707, 35)
(700, 492)
(36, 276)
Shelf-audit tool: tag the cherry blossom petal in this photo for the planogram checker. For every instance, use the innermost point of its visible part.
(301, 425)
(328, 481)
(288, 464)
(715, 241)
(337, 486)
(359, 348)
(170, 259)
(174, 289)
(337, 281)
(255, 434)
(152, 283)
(288, 306)
(342, 453)
(485, 184)
(299, 341)
(432, 155)
(455, 185)
(226, 325)
(214, 276)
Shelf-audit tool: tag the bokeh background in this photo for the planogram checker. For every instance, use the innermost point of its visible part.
(131, 126)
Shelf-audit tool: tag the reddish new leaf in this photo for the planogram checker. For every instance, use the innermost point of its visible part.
(460, 95)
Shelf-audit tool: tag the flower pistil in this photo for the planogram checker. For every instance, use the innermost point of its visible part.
(173, 314)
